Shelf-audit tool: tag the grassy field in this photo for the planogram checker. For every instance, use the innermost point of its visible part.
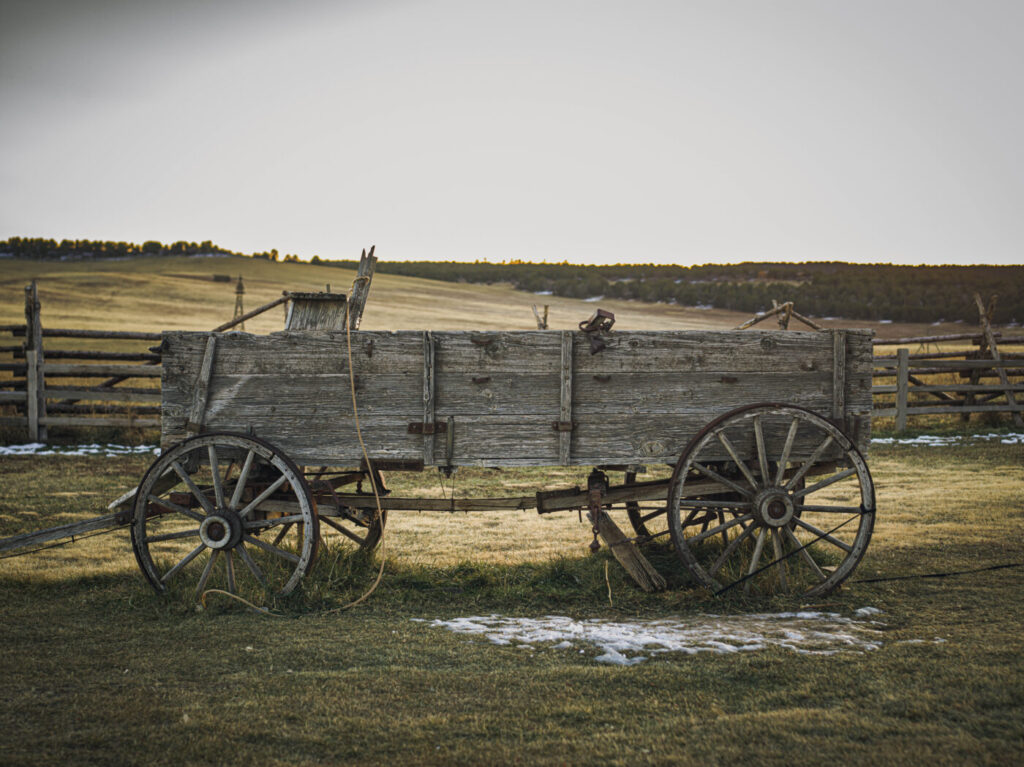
(99, 669)
(163, 293)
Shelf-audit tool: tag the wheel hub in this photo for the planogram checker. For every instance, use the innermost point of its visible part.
(774, 507)
(221, 530)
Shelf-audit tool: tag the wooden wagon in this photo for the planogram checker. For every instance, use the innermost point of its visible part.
(743, 448)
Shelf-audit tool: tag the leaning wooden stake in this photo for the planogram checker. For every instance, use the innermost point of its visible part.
(986, 328)
(361, 287)
(623, 549)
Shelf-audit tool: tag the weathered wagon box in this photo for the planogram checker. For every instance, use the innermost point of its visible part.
(504, 398)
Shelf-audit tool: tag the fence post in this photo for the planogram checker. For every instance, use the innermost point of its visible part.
(902, 381)
(35, 383)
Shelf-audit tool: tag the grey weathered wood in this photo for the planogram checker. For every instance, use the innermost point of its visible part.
(994, 351)
(565, 396)
(361, 287)
(316, 311)
(16, 397)
(197, 414)
(640, 400)
(902, 384)
(838, 374)
(32, 396)
(108, 395)
(34, 372)
(52, 420)
(57, 533)
(428, 397)
(70, 370)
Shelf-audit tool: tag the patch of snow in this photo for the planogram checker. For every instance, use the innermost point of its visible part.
(704, 307)
(863, 612)
(946, 440)
(628, 643)
(105, 451)
(543, 292)
(885, 322)
(592, 299)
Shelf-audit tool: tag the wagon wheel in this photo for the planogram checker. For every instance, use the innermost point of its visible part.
(649, 519)
(801, 511)
(364, 527)
(224, 510)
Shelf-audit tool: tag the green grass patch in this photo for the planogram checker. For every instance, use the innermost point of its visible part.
(97, 668)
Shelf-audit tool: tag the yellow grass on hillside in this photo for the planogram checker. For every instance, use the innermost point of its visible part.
(155, 294)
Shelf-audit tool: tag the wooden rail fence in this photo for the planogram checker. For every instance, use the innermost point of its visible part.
(46, 385)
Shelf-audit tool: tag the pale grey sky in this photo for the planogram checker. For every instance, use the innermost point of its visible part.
(685, 132)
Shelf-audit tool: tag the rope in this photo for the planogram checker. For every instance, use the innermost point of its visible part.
(369, 469)
(246, 602)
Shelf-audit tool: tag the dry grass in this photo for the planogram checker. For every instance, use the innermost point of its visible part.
(98, 669)
(163, 293)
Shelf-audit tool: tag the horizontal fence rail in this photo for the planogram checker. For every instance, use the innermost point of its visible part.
(119, 387)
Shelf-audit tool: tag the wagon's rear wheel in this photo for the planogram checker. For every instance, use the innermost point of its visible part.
(227, 511)
(361, 524)
(800, 509)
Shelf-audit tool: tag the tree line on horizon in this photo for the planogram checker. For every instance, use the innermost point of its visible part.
(820, 289)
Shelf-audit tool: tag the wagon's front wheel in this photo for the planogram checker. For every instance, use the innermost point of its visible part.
(227, 511)
(800, 511)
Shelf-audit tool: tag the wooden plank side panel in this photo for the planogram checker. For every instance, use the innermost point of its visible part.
(503, 391)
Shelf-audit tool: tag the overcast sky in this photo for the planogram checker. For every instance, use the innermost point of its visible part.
(687, 132)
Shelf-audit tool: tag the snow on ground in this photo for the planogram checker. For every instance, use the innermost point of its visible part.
(628, 643)
(936, 440)
(106, 451)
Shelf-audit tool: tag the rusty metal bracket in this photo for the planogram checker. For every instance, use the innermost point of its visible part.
(428, 428)
(562, 425)
(600, 322)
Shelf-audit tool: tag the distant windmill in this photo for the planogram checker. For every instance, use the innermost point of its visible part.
(239, 302)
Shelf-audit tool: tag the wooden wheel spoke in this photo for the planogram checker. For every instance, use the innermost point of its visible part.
(762, 456)
(735, 457)
(779, 558)
(272, 549)
(243, 477)
(712, 474)
(823, 535)
(171, 536)
(825, 483)
(719, 528)
(284, 531)
(826, 509)
(809, 464)
(653, 514)
(786, 450)
(805, 554)
(262, 524)
(187, 558)
(201, 586)
(733, 545)
(343, 530)
(176, 507)
(756, 558)
(263, 496)
(229, 564)
(251, 564)
(218, 486)
(199, 494)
